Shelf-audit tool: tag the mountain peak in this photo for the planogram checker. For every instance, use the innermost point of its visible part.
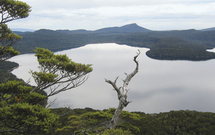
(134, 28)
(132, 24)
(126, 28)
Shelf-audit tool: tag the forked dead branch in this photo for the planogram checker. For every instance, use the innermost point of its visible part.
(122, 92)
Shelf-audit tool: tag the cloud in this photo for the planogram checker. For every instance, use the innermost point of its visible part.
(138, 10)
(95, 14)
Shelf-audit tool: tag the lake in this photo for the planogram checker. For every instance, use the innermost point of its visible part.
(159, 86)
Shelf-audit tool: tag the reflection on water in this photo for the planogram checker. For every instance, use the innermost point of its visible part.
(211, 50)
(159, 85)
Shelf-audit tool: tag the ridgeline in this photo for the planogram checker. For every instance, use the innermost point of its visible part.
(164, 45)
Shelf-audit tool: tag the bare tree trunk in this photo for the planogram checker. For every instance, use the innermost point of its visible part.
(122, 92)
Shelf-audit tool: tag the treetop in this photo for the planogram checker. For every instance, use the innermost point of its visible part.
(13, 9)
(50, 61)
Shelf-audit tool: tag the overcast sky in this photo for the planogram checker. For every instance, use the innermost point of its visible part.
(96, 14)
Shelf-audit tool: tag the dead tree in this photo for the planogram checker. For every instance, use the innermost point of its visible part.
(122, 92)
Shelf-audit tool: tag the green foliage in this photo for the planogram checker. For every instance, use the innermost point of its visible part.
(116, 132)
(20, 109)
(133, 116)
(167, 123)
(128, 126)
(6, 76)
(176, 49)
(44, 77)
(91, 122)
(94, 122)
(177, 122)
(25, 118)
(5, 68)
(13, 9)
(10, 10)
(49, 61)
(7, 39)
(22, 106)
(7, 34)
(8, 66)
(7, 51)
(56, 70)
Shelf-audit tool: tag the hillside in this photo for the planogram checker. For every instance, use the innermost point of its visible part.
(5, 70)
(183, 122)
(163, 45)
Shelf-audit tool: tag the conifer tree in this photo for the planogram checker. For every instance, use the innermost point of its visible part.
(22, 108)
(58, 73)
(21, 111)
(10, 10)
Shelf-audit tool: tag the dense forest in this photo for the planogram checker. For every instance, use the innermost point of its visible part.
(163, 45)
(5, 70)
(182, 122)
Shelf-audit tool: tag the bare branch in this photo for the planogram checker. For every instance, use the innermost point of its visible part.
(50, 103)
(122, 96)
(129, 76)
(114, 85)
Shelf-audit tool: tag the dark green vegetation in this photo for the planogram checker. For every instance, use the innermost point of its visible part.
(21, 111)
(24, 108)
(138, 123)
(5, 68)
(56, 71)
(163, 45)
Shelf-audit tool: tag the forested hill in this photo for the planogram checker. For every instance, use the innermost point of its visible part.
(183, 122)
(164, 45)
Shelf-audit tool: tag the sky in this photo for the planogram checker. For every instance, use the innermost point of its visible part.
(97, 14)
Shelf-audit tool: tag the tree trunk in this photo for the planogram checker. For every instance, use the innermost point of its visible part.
(122, 92)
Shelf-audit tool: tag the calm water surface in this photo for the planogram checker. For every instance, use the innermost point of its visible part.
(159, 86)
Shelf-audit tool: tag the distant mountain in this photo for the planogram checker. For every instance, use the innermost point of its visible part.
(208, 29)
(22, 30)
(126, 28)
(73, 31)
(123, 29)
(166, 45)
